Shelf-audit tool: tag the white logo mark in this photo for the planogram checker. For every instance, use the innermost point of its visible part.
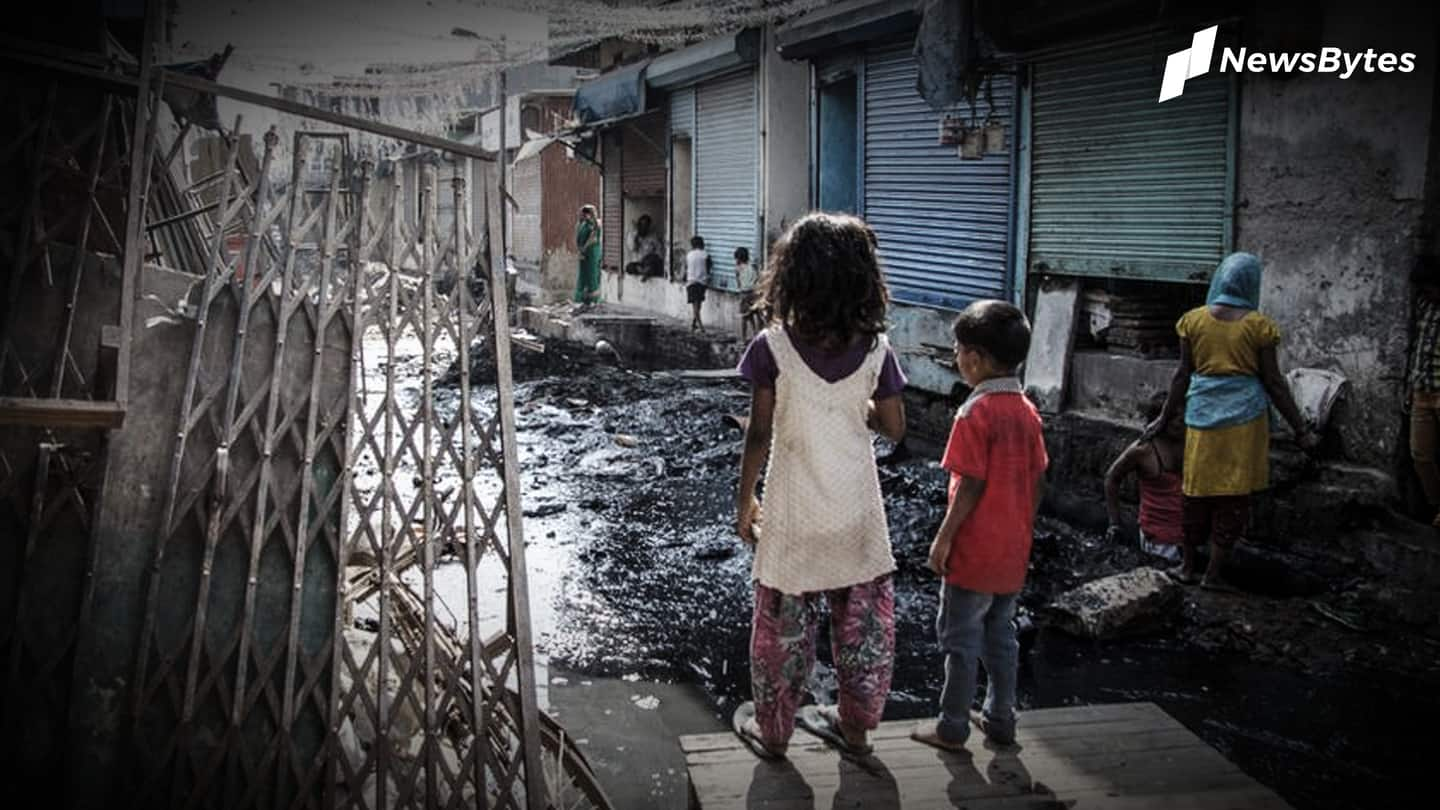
(1188, 63)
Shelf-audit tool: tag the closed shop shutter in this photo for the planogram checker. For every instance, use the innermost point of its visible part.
(612, 220)
(943, 223)
(643, 145)
(727, 154)
(1122, 185)
(682, 111)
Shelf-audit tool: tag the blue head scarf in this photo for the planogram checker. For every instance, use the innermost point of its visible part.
(1236, 282)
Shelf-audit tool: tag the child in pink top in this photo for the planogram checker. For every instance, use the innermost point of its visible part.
(1158, 463)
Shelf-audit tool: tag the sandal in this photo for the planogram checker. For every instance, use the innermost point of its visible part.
(824, 722)
(747, 728)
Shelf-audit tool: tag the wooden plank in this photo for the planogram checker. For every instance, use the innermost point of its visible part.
(1189, 768)
(893, 750)
(1251, 798)
(1124, 757)
(61, 413)
(942, 788)
(1030, 723)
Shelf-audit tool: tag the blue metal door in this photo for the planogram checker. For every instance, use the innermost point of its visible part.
(943, 222)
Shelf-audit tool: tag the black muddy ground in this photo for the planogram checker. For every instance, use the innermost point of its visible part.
(628, 480)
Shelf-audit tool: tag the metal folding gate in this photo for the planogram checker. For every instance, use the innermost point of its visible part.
(727, 160)
(321, 405)
(943, 222)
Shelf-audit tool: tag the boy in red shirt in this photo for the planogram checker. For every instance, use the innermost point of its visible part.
(996, 458)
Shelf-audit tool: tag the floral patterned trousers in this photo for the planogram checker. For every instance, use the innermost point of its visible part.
(782, 651)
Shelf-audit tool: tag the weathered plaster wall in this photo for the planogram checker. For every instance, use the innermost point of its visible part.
(1330, 188)
(922, 339)
(785, 135)
(657, 296)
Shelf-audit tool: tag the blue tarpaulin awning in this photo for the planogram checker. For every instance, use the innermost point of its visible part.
(616, 94)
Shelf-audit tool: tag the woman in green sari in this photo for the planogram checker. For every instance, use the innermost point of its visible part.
(587, 241)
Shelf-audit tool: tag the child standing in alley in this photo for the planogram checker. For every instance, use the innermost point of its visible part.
(996, 459)
(697, 276)
(1157, 463)
(751, 321)
(822, 377)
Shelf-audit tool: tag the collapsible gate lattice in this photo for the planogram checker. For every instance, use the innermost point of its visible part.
(249, 686)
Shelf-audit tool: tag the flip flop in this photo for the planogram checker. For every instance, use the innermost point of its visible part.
(824, 722)
(745, 726)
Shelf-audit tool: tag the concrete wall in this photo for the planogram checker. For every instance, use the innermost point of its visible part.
(785, 139)
(922, 339)
(549, 281)
(1330, 195)
(657, 296)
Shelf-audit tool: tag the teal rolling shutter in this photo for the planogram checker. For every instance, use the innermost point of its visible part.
(727, 159)
(1122, 185)
(943, 222)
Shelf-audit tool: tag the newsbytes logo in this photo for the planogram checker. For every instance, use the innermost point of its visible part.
(1195, 61)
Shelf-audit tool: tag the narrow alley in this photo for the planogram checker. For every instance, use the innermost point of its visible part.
(651, 404)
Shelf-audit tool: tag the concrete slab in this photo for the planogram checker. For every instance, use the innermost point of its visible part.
(1047, 366)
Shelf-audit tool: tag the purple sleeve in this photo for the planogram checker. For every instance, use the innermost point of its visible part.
(757, 366)
(892, 379)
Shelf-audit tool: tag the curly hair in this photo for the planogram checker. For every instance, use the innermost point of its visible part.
(823, 280)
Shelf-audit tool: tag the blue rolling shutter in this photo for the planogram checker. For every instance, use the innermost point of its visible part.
(943, 222)
(727, 150)
(1120, 184)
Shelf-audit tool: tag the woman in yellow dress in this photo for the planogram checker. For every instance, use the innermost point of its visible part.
(1228, 377)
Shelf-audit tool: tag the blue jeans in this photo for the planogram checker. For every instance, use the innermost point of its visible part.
(975, 627)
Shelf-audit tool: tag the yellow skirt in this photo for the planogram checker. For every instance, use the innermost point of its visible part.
(1228, 461)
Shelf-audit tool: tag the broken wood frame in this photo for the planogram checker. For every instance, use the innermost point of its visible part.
(74, 158)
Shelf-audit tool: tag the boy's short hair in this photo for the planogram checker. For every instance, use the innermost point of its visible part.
(588, 209)
(742, 254)
(997, 328)
(697, 243)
